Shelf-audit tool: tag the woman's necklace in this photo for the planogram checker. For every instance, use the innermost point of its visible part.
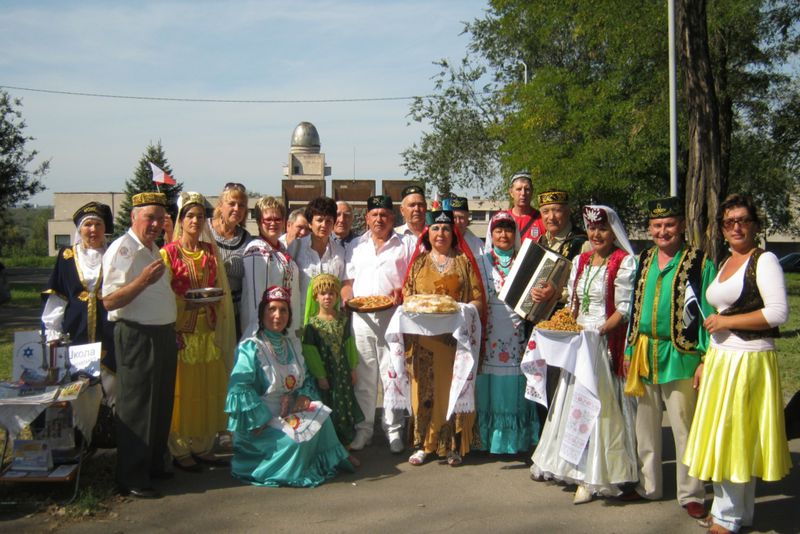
(442, 265)
(587, 282)
(501, 265)
(276, 343)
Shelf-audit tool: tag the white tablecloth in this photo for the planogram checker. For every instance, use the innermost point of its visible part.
(16, 415)
(575, 353)
(465, 327)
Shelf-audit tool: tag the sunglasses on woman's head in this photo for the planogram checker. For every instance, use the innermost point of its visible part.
(235, 185)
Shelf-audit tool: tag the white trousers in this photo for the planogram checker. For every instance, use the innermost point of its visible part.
(369, 331)
(734, 504)
(680, 399)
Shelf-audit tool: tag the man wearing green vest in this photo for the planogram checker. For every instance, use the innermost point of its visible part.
(666, 344)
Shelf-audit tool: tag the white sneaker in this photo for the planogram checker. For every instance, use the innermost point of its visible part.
(360, 441)
(396, 446)
(582, 495)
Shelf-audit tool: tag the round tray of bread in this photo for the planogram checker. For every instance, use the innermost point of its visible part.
(369, 304)
(204, 295)
(430, 304)
(562, 322)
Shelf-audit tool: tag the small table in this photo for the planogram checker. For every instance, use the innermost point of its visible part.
(18, 412)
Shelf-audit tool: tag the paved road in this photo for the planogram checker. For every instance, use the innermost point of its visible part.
(388, 495)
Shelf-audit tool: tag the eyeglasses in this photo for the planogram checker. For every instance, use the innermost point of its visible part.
(730, 224)
(273, 220)
(235, 185)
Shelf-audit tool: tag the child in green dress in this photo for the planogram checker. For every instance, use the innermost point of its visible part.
(330, 353)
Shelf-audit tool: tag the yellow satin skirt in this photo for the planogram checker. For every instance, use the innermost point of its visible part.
(738, 430)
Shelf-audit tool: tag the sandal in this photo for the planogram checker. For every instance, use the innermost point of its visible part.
(418, 458)
(706, 522)
(454, 459)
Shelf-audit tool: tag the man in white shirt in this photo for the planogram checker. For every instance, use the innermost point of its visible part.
(412, 208)
(343, 226)
(296, 227)
(376, 265)
(141, 302)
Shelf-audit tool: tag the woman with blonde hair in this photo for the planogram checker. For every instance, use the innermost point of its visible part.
(267, 263)
(227, 228)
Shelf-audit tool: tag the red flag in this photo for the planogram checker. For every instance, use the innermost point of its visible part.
(159, 176)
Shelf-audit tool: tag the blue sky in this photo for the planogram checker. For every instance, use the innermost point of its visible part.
(226, 50)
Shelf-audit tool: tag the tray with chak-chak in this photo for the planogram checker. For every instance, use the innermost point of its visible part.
(561, 322)
(204, 295)
(369, 304)
(430, 304)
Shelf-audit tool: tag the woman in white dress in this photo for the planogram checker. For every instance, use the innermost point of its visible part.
(600, 287)
(267, 263)
(507, 421)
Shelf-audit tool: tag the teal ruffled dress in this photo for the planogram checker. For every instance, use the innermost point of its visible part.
(260, 377)
(507, 421)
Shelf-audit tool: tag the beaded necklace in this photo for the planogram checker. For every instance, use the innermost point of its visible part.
(587, 283)
(441, 266)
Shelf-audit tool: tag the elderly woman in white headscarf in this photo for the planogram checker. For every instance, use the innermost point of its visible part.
(600, 288)
(507, 421)
(71, 305)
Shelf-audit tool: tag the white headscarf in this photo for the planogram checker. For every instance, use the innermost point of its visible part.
(596, 213)
(501, 216)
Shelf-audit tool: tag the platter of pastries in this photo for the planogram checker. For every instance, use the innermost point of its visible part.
(370, 304)
(430, 304)
(204, 295)
(561, 321)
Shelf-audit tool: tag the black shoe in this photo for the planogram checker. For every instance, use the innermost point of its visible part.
(140, 493)
(193, 467)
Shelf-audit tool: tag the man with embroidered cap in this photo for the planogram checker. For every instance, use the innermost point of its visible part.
(140, 301)
(666, 344)
(461, 218)
(376, 264)
(562, 238)
(412, 208)
(528, 219)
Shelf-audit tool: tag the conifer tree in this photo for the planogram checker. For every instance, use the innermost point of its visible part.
(143, 181)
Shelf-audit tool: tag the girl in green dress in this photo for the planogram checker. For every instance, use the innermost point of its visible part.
(330, 353)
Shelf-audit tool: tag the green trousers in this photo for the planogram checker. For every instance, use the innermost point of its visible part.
(147, 359)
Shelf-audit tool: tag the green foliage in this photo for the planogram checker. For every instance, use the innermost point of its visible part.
(17, 182)
(142, 181)
(593, 115)
(25, 234)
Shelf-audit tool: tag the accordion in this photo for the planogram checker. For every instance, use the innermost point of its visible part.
(533, 266)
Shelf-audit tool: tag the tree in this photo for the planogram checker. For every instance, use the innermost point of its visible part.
(593, 117)
(143, 181)
(17, 182)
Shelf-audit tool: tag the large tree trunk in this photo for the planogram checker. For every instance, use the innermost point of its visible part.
(704, 166)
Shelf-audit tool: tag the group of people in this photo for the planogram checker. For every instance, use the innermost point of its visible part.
(279, 371)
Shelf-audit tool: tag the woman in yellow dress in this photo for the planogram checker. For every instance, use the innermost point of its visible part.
(738, 431)
(442, 265)
(202, 335)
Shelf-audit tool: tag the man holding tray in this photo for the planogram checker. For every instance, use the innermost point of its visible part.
(666, 344)
(376, 264)
(140, 301)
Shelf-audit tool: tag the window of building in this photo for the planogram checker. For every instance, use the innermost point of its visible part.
(62, 240)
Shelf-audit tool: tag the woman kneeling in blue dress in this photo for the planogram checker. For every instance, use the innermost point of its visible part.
(282, 433)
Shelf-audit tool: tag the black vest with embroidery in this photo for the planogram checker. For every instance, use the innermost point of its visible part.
(750, 300)
(569, 247)
(689, 269)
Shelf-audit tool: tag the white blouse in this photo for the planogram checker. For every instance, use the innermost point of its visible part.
(593, 283)
(771, 286)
